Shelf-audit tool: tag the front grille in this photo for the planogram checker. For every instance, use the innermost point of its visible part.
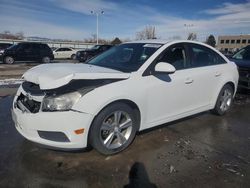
(28, 105)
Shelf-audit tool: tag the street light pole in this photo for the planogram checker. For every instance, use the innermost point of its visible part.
(97, 24)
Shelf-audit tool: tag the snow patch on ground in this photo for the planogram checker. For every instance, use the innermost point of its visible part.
(7, 82)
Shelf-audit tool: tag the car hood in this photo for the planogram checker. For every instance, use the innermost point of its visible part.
(241, 63)
(50, 76)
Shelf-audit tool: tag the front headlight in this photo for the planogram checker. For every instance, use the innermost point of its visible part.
(60, 102)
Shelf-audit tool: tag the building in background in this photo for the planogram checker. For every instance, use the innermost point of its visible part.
(232, 43)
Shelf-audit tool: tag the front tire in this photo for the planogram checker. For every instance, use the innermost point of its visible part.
(224, 101)
(73, 57)
(113, 129)
(9, 60)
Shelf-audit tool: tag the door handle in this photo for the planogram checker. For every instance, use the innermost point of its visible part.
(189, 81)
(217, 74)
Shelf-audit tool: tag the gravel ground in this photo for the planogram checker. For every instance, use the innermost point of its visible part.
(200, 151)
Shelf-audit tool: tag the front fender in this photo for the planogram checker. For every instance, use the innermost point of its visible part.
(97, 99)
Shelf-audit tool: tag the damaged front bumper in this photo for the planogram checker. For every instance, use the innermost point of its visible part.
(54, 129)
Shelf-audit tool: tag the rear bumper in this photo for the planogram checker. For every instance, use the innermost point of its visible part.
(31, 125)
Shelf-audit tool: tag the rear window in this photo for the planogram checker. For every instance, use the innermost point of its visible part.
(45, 47)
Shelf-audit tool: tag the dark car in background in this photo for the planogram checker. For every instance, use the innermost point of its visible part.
(242, 60)
(28, 51)
(4, 46)
(87, 54)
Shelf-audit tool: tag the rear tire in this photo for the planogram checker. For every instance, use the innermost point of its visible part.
(46, 59)
(9, 60)
(113, 129)
(224, 100)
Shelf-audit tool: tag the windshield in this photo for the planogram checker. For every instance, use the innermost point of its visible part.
(12, 47)
(243, 54)
(96, 47)
(125, 57)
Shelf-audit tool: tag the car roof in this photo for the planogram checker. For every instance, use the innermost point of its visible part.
(162, 41)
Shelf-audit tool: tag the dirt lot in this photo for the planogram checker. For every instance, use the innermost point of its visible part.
(200, 151)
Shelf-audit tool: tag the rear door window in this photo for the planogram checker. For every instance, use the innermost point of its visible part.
(202, 56)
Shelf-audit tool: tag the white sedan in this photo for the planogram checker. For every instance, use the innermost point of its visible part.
(129, 88)
(64, 53)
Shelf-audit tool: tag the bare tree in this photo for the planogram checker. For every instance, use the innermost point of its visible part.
(147, 33)
(192, 36)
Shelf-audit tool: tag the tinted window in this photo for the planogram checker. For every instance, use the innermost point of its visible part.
(175, 55)
(62, 49)
(67, 49)
(202, 56)
(26, 46)
(35, 46)
(45, 47)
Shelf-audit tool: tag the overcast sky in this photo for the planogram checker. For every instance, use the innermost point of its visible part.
(71, 19)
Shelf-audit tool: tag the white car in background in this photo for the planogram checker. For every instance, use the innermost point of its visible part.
(65, 53)
(129, 88)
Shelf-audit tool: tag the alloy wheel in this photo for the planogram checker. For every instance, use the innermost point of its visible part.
(116, 129)
(226, 100)
(9, 60)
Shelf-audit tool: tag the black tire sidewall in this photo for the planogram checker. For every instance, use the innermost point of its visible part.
(9, 57)
(44, 58)
(94, 140)
(217, 109)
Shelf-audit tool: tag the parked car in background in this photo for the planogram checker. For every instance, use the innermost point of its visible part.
(242, 60)
(28, 51)
(4, 46)
(84, 55)
(131, 87)
(64, 53)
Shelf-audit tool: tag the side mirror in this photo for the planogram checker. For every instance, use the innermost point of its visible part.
(164, 67)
